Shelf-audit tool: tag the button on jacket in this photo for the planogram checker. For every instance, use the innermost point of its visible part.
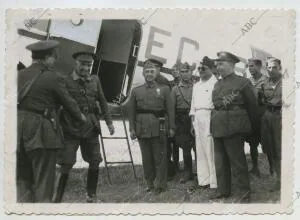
(86, 92)
(151, 98)
(48, 92)
(235, 107)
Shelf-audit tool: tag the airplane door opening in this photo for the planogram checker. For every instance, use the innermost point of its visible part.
(117, 48)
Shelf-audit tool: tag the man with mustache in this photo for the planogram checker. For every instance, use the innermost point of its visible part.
(87, 91)
(151, 120)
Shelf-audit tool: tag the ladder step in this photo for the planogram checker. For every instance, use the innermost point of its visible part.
(114, 138)
(116, 162)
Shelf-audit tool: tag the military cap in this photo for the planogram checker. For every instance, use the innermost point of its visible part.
(153, 63)
(207, 62)
(228, 57)
(272, 60)
(43, 45)
(255, 61)
(84, 56)
(41, 49)
(185, 65)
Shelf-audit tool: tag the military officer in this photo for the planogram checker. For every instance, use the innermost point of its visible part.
(233, 117)
(150, 117)
(271, 98)
(171, 150)
(40, 94)
(181, 96)
(257, 79)
(87, 91)
(176, 76)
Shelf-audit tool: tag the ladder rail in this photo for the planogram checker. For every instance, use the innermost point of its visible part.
(106, 163)
(104, 154)
(128, 143)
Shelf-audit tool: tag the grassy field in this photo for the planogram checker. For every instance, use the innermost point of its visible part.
(125, 189)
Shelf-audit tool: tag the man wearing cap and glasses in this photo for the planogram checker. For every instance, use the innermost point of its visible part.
(270, 96)
(151, 120)
(200, 114)
(234, 116)
(181, 96)
(87, 91)
(41, 92)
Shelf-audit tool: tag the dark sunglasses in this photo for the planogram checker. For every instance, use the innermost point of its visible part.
(202, 68)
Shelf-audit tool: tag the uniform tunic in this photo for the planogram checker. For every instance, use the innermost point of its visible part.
(38, 137)
(271, 123)
(146, 106)
(201, 110)
(258, 82)
(255, 138)
(181, 96)
(234, 116)
(86, 92)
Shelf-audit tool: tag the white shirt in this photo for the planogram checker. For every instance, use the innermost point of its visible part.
(202, 95)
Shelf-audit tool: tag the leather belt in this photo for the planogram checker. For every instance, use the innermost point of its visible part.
(157, 113)
(85, 109)
(230, 107)
(46, 112)
(182, 111)
(271, 108)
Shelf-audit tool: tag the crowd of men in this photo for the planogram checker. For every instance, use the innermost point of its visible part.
(213, 116)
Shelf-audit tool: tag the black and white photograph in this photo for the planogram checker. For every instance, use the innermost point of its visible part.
(139, 109)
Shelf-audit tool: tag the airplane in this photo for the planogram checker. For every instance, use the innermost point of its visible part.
(122, 46)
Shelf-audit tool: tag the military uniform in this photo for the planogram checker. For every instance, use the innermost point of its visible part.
(148, 105)
(89, 96)
(86, 93)
(181, 96)
(255, 138)
(38, 131)
(172, 149)
(233, 117)
(272, 124)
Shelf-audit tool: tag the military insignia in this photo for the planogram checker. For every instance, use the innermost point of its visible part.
(158, 91)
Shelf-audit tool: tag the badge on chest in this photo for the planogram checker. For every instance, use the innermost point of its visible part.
(158, 91)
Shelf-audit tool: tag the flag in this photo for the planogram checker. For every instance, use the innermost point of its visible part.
(261, 55)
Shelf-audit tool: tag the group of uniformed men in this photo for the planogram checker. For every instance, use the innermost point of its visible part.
(213, 116)
(56, 115)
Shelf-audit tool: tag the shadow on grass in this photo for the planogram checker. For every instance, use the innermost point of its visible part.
(126, 189)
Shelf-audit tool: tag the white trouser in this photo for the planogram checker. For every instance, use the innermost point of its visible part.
(206, 171)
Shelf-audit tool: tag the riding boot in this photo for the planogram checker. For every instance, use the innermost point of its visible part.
(62, 182)
(91, 186)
